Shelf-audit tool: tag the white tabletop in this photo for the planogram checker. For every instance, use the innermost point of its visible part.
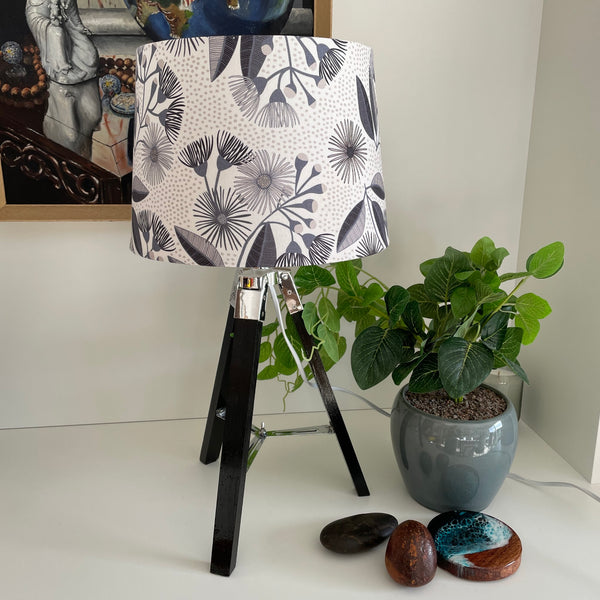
(125, 511)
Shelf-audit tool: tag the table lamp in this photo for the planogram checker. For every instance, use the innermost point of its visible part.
(260, 153)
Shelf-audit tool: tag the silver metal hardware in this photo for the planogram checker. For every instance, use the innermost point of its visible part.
(251, 296)
(220, 413)
(261, 434)
(290, 292)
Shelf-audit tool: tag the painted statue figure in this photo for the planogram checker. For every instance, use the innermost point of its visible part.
(67, 52)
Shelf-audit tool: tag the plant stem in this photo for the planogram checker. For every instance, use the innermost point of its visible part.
(376, 279)
(507, 298)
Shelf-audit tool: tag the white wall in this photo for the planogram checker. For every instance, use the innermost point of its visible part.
(562, 202)
(455, 84)
(82, 321)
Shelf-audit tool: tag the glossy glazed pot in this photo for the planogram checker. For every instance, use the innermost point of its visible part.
(452, 465)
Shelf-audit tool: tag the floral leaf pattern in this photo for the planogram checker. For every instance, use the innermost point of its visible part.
(253, 52)
(201, 251)
(221, 52)
(138, 190)
(265, 181)
(364, 107)
(155, 154)
(380, 221)
(262, 253)
(256, 151)
(347, 151)
(222, 218)
(150, 236)
(320, 248)
(332, 60)
(353, 227)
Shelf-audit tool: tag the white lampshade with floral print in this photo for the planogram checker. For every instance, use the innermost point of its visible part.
(256, 151)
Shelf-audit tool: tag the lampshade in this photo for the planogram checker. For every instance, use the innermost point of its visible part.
(256, 151)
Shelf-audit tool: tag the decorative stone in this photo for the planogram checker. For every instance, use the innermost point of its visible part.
(410, 556)
(12, 53)
(475, 546)
(358, 533)
(110, 85)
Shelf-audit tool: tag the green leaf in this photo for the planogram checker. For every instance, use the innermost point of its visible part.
(329, 341)
(371, 294)
(375, 354)
(292, 332)
(463, 365)
(463, 301)
(363, 322)
(445, 321)
(498, 256)
(396, 299)
(283, 354)
(412, 318)
(297, 383)
(517, 369)
(425, 267)
(510, 347)
(531, 305)
(283, 368)
(530, 327)
(512, 343)
(426, 376)
(494, 331)
(329, 315)
(347, 278)
(351, 307)
(402, 371)
(440, 281)
(265, 351)
(547, 261)
(267, 330)
(308, 279)
(310, 317)
(487, 294)
(482, 252)
(269, 372)
(466, 275)
(328, 362)
(491, 278)
(426, 304)
(458, 257)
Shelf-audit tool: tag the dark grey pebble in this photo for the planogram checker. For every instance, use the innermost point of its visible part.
(358, 533)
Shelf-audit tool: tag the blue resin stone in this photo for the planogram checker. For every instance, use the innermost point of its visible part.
(476, 546)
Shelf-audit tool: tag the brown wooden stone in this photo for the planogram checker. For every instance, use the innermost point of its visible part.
(475, 546)
(410, 556)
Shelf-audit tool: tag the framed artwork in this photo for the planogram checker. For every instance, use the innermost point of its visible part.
(65, 132)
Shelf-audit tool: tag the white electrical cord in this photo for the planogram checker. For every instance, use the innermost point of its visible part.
(383, 412)
(553, 484)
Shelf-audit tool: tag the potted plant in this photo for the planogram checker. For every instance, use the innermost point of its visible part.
(443, 335)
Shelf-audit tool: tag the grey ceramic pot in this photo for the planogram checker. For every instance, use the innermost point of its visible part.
(452, 465)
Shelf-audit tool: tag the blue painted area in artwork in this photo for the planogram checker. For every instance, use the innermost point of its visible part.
(468, 533)
(207, 17)
(158, 27)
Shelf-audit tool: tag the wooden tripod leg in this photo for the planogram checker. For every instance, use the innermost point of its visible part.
(239, 405)
(213, 432)
(335, 416)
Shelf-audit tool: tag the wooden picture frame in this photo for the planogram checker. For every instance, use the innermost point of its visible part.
(322, 14)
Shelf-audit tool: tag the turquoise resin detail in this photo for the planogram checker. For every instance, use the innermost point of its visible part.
(468, 533)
